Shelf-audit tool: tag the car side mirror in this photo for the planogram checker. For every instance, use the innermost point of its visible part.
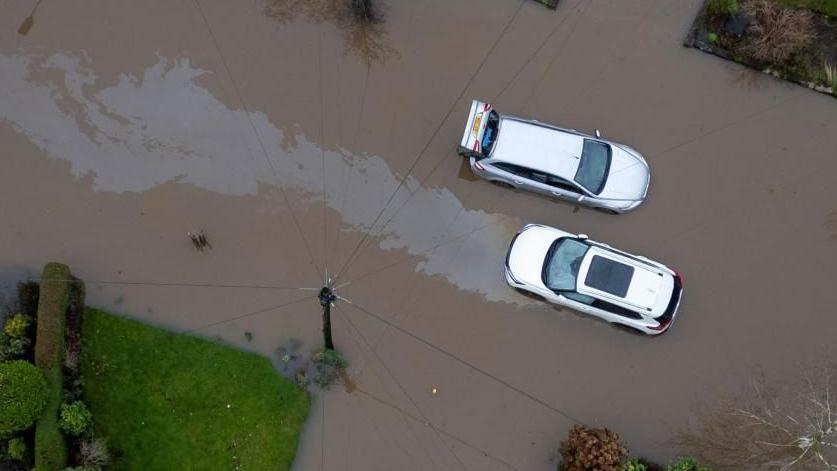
(580, 198)
(598, 133)
(583, 236)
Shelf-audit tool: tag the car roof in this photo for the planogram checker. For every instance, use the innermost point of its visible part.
(538, 147)
(611, 276)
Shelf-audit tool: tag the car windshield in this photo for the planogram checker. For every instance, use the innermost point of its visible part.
(595, 162)
(562, 263)
(490, 133)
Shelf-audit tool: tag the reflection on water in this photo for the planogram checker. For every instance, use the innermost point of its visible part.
(162, 127)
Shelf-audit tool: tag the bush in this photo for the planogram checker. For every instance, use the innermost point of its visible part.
(687, 463)
(776, 32)
(17, 325)
(23, 394)
(13, 348)
(634, 464)
(330, 358)
(94, 453)
(592, 448)
(75, 418)
(27, 297)
(17, 449)
(50, 447)
(722, 7)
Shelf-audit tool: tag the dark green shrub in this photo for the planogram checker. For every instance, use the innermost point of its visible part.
(17, 449)
(687, 463)
(22, 396)
(327, 364)
(330, 358)
(17, 325)
(75, 418)
(722, 7)
(634, 464)
(27, 297)
(13, 348)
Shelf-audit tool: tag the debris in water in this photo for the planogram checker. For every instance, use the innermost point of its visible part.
(29, 21)
(26, 25)
(199, 240)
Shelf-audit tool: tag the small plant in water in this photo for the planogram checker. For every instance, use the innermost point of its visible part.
(301, 379)
(831, 75)
(634, 464)
(326, 365)
(330, 358)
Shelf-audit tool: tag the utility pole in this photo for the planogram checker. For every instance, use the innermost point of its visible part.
(327, 298)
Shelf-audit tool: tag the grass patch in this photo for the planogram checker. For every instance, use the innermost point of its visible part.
(173, 401)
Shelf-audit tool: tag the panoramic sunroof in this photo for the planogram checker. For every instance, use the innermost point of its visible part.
(609, 276)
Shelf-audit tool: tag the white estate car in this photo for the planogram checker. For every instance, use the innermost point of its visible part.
(593, 278)
(555, 162)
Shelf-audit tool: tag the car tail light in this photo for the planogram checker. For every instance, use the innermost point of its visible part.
(478, 166)
(663, 324)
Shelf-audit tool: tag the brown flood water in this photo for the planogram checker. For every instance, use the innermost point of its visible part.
(126, 125)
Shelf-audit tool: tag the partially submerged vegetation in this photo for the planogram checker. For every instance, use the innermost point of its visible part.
(794, 40)
(603, 450)
(360, 21)
(156, 395)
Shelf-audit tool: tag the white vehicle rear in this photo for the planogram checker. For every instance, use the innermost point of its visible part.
(552, 161)
(594, 278)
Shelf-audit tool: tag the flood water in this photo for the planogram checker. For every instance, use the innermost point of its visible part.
(125, 126)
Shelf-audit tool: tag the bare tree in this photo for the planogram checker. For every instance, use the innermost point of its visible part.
(787, 427)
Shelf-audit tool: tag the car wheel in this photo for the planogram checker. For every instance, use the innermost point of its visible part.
(503, 184)
(607, 211)
(530, 295)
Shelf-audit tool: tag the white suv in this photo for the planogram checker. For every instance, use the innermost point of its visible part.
(594, 278)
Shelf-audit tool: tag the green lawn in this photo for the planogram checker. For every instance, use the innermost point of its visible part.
(829, 7)
(171, 401)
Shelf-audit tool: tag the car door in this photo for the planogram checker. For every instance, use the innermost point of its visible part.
(514, 175)
(560, 188)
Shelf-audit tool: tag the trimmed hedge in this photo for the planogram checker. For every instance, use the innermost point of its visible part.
(55, 290)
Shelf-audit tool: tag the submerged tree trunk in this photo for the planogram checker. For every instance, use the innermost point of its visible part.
(363, 10)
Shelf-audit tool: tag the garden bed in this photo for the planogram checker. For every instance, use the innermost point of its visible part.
(173, 401)
(795, 40)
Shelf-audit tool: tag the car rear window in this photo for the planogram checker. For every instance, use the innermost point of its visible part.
(609, 276)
